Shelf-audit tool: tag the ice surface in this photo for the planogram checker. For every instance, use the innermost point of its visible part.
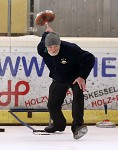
(22, 138)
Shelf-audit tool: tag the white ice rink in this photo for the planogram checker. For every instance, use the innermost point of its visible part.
(22, 138)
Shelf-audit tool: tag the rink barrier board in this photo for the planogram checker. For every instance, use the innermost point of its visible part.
(90, 117)
(27, 45)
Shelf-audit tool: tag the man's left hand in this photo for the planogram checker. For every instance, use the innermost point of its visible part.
(81, 83)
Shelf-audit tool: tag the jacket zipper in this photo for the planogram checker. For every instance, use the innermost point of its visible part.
(54, 64)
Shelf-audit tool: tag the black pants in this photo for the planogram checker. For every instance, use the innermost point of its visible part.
(57, 94)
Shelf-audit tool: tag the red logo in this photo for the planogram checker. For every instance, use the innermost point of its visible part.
(14, 93)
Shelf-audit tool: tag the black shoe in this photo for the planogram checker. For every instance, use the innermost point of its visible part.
(52, 129)
(80, 131)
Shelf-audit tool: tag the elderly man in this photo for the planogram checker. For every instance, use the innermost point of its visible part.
(69, 67)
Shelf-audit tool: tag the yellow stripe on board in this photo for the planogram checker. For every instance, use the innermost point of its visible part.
(90, 117)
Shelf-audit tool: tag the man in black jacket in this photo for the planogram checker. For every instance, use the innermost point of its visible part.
(69, 67)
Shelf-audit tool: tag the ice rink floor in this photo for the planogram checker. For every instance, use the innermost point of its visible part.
(22, 138)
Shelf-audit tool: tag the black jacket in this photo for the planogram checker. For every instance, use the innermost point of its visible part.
(70, 63)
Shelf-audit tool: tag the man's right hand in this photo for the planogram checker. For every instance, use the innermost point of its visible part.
(49, 29)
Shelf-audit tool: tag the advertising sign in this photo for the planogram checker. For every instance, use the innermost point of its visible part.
(24, 76)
